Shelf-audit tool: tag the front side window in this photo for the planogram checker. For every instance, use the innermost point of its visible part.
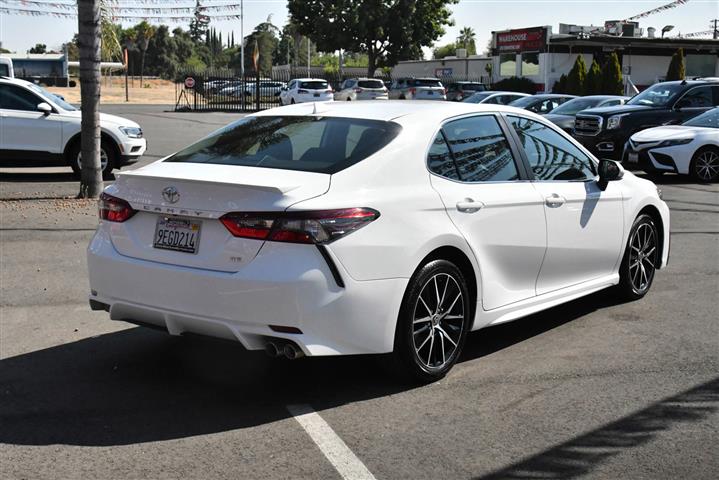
(302, 143)
(700, 97)
(480, 150)
(550, 155)
(13, 97)
(440, 159)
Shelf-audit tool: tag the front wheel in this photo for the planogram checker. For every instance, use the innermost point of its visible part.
(640, 260)
(705, 165)
(107, 158)
(433, 322)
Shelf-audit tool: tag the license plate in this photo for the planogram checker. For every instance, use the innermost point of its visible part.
(317, 94)
(177, 234)
(430, 93)
(633, 157)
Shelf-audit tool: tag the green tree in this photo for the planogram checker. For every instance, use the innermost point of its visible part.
(560, 86)
(444, 51)
(466, 40)
(594, 79)
(676, 70)
(612, 82)
(577, 77)
(267, 42)
(146, 32)
(386, 30)
(198, 30)
(39, 48)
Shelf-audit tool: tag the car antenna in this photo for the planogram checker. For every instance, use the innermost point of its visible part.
(684, 82)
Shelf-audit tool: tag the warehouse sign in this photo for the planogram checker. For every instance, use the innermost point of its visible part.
(522, 40)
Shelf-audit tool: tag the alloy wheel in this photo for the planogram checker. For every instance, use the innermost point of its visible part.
(706, 165)
(103, 160)
(438, 321)
(642, 257)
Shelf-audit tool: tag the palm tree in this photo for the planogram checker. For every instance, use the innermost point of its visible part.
(466, 37)
(147, 31)
(89, 41)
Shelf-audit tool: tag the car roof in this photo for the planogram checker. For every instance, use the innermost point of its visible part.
(16, 81)
(553, 95)
(387, 110)
(309, 79)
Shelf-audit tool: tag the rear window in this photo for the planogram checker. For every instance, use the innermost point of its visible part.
(4, 70)
(370, 84)
(314, 85)
(307, 144)
(475, 87)
(424, 83)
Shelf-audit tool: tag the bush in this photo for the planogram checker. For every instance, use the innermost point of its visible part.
(577, 76)
(593, 85)
(612, 83)
(676, 69)
(560, 86)
(516, 84)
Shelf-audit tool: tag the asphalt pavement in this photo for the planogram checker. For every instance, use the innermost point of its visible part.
(594, 388)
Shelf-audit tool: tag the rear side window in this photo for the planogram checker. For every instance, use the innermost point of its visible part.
(370, 84)
(17, 98)
(550, 155)
(314, 85)
(308, 144)
(480, 150)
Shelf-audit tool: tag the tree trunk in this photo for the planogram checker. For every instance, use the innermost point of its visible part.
(371, 62)
(88, 14)
(142, 67)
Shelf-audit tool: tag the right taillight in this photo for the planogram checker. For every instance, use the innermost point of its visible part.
(114, 209)
(412, 91)
(313, 227)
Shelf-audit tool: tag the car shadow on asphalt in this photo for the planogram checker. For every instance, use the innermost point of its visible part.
(139, 385)
(45, 177)
(578, 456)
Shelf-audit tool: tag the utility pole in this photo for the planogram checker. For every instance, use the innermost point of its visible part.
(716, 31)
(308, 58)
(242, 39)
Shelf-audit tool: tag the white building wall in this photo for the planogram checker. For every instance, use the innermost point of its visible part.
(645, 69)
(473, 67)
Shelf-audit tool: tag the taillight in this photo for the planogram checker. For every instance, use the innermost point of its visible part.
(412, 91)
(321, 226)
(445, 91)
(358, 90)
(114, 209)
(302, 91)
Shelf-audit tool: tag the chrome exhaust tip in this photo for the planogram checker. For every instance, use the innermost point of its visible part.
(292, 352)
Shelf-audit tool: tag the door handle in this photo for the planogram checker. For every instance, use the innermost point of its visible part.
(468, 205)
(554, 200)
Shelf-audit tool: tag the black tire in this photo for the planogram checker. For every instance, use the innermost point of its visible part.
(292, 101)
(704, 166)
(105, 148)
(641, 258)
(446, 322)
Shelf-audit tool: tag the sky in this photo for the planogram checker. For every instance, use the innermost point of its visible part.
(20, 33)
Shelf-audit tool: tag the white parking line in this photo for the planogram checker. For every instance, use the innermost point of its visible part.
(331, 445)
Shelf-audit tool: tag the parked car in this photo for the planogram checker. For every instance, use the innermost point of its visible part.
(494, 97)
(39, 129)
(211, 87)
(307, 234)
(563, 115)
(361, 89)
(604, 131)
(268, 88)
(689, 149)
(458, 91)
(542, 102)
(6, 69)
(302, 90)
(417, 89)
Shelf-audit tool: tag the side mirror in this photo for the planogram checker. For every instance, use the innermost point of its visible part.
(45, 108)
(609, 171)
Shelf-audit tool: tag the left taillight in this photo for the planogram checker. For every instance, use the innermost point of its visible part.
(114, 209)
(313, 227)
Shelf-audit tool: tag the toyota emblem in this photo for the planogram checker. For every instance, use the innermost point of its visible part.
(170, 194)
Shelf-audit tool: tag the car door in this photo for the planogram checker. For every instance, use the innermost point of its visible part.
(584, 224)
(25, 128)
(483, 186)
(695, 101)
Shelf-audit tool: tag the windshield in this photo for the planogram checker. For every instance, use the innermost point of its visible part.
(525, 101)
(708, 119)
(4, 70)
(577, 105)
(476, 97)
(307, 143)
(51, 96)
(315, 85)
(658, 95)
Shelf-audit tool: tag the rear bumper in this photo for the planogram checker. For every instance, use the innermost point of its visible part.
(285, 285)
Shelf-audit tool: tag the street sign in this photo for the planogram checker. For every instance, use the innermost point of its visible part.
(189, 82)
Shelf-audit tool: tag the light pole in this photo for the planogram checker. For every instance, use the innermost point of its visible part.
(666, 29)
(242, 39)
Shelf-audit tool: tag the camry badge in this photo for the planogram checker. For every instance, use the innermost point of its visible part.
(170, 194)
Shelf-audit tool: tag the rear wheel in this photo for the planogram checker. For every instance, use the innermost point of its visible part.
(433, 322)
(107, 158)
(705, 165)
(292, 101)
(641, 259)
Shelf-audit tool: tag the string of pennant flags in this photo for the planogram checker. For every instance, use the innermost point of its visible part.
(123, 18)
(114, 7)
(668, 6)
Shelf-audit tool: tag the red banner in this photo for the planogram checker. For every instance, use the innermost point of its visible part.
(525, 39)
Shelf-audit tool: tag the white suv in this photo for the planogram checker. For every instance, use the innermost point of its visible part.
(302, 90)
(40, 129)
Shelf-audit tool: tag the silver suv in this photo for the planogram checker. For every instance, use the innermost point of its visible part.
(417, 89)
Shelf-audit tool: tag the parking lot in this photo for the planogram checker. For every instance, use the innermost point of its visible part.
(592, 389)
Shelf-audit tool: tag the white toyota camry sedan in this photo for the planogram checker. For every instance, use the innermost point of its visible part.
(358, 227)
